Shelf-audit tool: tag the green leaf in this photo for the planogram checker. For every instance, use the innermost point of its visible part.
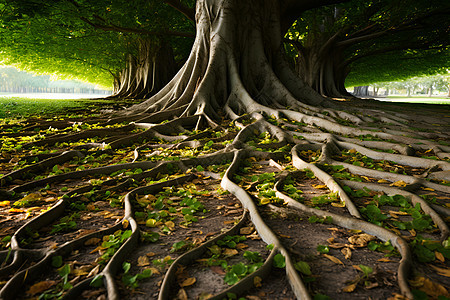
(126, 267)
(323, 249)
(57, 261)
(239, 269)
(303, 267)
(231, 278)
(97, 281)
(279, 261)
(366, 270)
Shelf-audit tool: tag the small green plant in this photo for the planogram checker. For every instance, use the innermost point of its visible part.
(131, 281)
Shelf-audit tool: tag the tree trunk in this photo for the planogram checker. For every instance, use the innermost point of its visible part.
(361, 91)
(236, 64)
(147, 73)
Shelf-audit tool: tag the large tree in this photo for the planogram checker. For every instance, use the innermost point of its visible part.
(234, 107)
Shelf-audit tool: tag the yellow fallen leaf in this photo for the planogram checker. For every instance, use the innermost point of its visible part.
(427, 189)
(366, 178)
(5, 203)
(350, 288)
(319, 186)
(264, 201)
(347, 252)
(441, 271)
(188, 282)
(125, 223)
(384, 259)
(399, 183)
(241, 246)
(79, 272)
(338, 204)
(439, 256)
(181, 293)
(382, 181)
(333, 259)
(257, 281)
(39, 287)
(352, 151)
(143, 261)
(15, 211)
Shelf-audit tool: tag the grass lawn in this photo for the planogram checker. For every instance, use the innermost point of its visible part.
(16, 107)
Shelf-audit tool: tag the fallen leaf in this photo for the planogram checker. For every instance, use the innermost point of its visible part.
(92, 241)
(246, 230)
(319, 186)
(150, 254)
(347, 253)
(338, 204)
(382, 181)
(337, 245)
(91, 207)
(188, 282)
(125, 223)
(241, 246)
(257, 281)
(15, 211)
(333, 259)
(433, 289)
(397, 297)
(170, 225)
(399, 183)
(350, 288)
(427, 189)
(361, 240)
(439, 256)
(384, 259)
(39, 287)
(143, 261)
(229, 252)
(441, 271)
(79, 272)
(5, 203)
(181, 293)
(218, 270)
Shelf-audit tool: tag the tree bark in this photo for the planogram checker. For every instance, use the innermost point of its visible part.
(236, 64)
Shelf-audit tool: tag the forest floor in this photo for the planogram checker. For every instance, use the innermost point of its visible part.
(190, 209)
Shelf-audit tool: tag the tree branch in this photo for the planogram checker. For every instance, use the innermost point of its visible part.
(136, 30)
(185, 10)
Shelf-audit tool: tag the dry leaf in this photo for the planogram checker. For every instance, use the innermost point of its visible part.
(79, 272)
(361, 240)
(397, 297)
(92, 241)
(91, 207)
(347, 253)
(257, 281)
(181, 293)
(218, 270)
(441, 271)
(338, 204)
(333, 259)
(229, 252)
(170, 225)
(399, 183)
(39, 287)
(125, 223)
(143, 261)
(150, 254)
(246, 230)
(439, 256)
(350, 288)
(384, 259)
(241, 246)
(382, 181)
(427, 189)
(337, 245)
(15, 211)
(188, 282)
(433, 289)
(319, 186)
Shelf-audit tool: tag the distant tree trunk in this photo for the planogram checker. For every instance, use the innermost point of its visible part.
(430, 91)
(146, 73)
(361, 91)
